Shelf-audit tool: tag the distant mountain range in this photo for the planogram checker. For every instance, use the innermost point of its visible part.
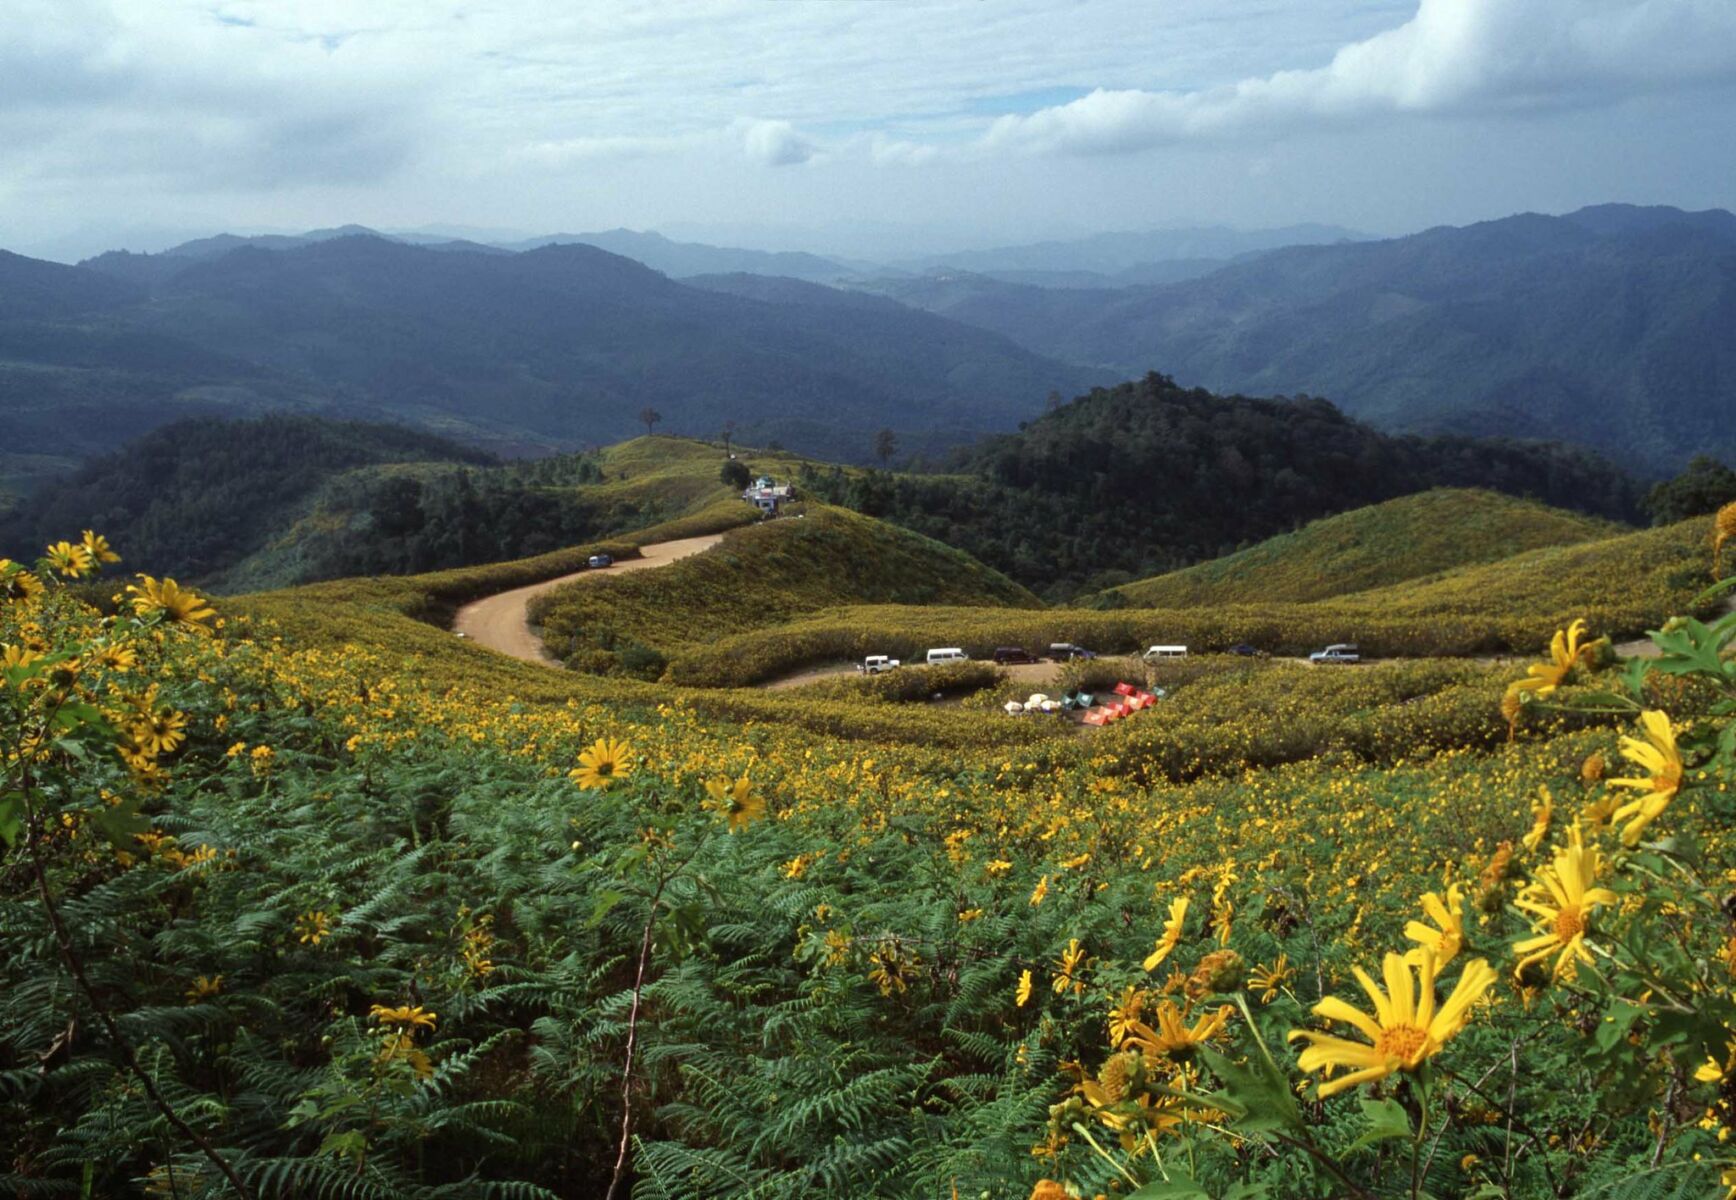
(552, 347)
(1614, 326)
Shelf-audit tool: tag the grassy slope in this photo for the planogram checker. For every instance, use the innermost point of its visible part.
(1371, 547)
(767, 575)
(647, 481)
(1621, 585)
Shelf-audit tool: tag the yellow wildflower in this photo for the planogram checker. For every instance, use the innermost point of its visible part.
(1073, 960)
(737, 801)
(1269, 981)
(1041, 891)
(1171, 934)
(601, 765)
(1658, 757)
(1447, 937)
(1406, 1029)
(1023, 995)
(1541, 812)
(1565, 652)
(177, 605)
(1561, 902)
(404, 1016)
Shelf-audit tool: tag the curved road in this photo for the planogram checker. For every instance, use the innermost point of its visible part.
(502, 622)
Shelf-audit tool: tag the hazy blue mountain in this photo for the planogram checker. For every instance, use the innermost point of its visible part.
(681, 259)
(1614, 326)
(1112, 253)
(553, 347)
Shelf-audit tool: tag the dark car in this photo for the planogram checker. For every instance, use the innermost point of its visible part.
(1068, 651)
(1008, 656)
(1247, 651)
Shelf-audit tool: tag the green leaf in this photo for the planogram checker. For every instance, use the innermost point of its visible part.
(1386, 1120)
(606, 900)
(11, 819)
(1170, 1189)
(1255, 1094)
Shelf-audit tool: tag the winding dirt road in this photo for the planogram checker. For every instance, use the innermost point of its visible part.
(502, 622)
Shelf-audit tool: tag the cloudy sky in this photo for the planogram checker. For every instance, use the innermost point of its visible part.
(849, 126)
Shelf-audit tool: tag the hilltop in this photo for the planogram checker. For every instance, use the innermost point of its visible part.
(282, 499)
(1383, 544)
(1129, 481)
(1608, 326)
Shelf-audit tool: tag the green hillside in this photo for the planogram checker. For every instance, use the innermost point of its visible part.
(1149, 476)
(276, 501)
(761, 577)
(1371, 547)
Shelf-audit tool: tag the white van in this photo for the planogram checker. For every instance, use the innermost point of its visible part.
(1157, 652)
(947, 655)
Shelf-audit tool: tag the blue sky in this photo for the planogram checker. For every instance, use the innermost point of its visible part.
(849, 126)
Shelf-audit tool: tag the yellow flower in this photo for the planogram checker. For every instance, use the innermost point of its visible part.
(1269, 981)
(1171, 934)
(98, 548)
(1023, 995)
(1658, 757)
(1541, 812)
(601, 765)
(178, 605)
(1173, 1037)
(1124, 1013)
(1406, 1029)
(1565, 651)
(737, 801)
(116, 658)
(16, 583)
(1040, 891)
(404, 1016)
(312, 927)
(68, 559)
(1447, 937)
(1561, 902)
(1072, 961)
(204, 987)
(1723, 530)
(160, 732)
(999, 866)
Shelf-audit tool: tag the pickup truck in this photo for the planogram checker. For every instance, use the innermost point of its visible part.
(874, 664)
(1339, 652)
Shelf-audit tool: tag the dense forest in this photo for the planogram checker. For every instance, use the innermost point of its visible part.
(1149, 476)
(198, 495)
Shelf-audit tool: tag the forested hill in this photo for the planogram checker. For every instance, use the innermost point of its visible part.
(1149, 476)
(555, 347)
(195, 496)
(1610, 327)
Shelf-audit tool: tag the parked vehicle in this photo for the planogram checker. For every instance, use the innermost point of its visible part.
(600, 560)
(1008, 656)
(874, 664)
(1068, 651)
(1247, 651)
(1338, 652)
(1160, 652)
(947, 654)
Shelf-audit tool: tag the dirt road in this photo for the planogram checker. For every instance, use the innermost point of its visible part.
(502, 623)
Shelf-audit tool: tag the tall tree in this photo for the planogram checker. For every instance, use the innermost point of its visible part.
(885, 446)
(728, 434)
(650, 417)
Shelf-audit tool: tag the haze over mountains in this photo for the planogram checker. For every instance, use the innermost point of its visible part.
(558, 346)
(1610, 327)
(1614, 326)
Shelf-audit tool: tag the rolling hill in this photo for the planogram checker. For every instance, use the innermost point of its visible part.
(1609, 326)
(1384, 544)
(1129, 481)
(551, 348)
(280, 500)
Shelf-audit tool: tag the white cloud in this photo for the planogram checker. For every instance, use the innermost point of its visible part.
(1452, 57)
(773, 143)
